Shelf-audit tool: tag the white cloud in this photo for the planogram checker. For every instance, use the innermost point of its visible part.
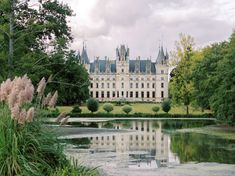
(142, 23)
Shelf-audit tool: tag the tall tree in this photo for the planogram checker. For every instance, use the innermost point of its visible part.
(223, 99)
(181, 86)
(70, 79)
(41, 37)
(205, 74)
(27, 28)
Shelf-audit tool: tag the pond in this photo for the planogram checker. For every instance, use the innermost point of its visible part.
(149, 147)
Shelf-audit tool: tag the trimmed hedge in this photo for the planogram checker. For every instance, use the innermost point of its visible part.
(163, 115)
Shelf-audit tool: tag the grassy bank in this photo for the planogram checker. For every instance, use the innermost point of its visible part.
(145, 108)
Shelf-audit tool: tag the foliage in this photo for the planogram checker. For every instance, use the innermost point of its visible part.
(166, 106)
(127, 109)
(108, 107)
(27, 146)
(204, 74)
(213, 80)
(75, 170)
(28, 149)
(155, 109)
(76, 109)
(92, 105)
(223, 100)
(181, 86)
(40, 48)
(71, 79)
(139, 114)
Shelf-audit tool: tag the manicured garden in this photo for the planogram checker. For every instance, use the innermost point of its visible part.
(117, 109)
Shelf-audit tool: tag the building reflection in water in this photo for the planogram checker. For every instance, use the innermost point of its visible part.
(145, 146)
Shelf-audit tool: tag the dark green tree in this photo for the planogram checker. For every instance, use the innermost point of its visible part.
(26, 32)
(205, 74)
(92, 105)
(166, 106)
(70, 79)
(223, 100)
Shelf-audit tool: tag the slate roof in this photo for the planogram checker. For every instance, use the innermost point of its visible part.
(102, 64)
(133, 64)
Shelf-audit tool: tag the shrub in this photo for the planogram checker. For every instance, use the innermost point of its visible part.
(166, 106)
(108, 107)
(92, 105)
(27, 146)
(127, 109)
(76, 109)
(119, 103)
(155, 109)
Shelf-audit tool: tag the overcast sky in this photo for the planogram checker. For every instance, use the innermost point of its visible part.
(141, 24)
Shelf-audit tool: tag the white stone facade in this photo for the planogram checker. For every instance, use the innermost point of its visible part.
(128, 80)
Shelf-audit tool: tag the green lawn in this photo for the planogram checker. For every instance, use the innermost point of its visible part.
(137, 107)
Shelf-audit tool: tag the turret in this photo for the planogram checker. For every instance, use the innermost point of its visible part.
(122, 53)
(84, 57)
(162, 58)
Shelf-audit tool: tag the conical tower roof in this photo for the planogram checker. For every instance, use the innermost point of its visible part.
(161, 56)
(84, 56)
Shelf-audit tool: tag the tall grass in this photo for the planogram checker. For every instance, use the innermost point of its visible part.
(27, 147)
(27, 150)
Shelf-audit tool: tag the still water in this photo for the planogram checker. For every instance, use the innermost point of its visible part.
(150, 147)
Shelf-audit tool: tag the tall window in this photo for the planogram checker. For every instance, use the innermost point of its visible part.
(137, 85)
(122, 94)
(107, 85)
(127, 94)
(142, 94)
(102, 94)
(162, 78)
(131, 94)
(153, 86)
(162, 85)
(97, 94)
(122, 85)
(108, 94)
(102, 85)
(91, 94)
(113, 85)
(97, 85)
(162, 71)
(113, 93)
(91, 85)
(137, 94)
(142, 85)
(147, 85)
(147, 94)
(153, 94)
(131, 85)
(162, 94)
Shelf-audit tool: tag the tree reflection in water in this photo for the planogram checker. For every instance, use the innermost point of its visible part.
(202, 148)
